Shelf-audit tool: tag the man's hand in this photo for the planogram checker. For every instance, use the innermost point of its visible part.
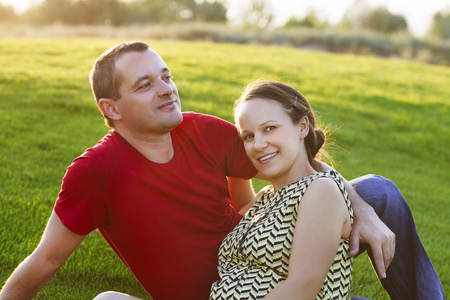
(369, 229)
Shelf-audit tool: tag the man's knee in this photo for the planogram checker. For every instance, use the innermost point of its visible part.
(371, 185)
(110, 295)
(104, 296)
(380, 193)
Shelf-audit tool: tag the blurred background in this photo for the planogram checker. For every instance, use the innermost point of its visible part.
(416, 29)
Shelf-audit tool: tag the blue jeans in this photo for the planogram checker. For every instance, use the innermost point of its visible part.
(411, 274)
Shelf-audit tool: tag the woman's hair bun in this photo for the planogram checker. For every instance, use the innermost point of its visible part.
(319, 141)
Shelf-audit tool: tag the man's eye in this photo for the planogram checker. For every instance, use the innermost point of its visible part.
(168, 77)
(144, 85)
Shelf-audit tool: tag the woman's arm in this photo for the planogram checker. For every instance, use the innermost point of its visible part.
(369, 229)
(323, 219)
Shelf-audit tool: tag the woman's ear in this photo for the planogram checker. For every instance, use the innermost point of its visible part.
(108, 108)
(304, 126)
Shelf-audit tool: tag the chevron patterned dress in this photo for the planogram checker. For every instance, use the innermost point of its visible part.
(254, 257)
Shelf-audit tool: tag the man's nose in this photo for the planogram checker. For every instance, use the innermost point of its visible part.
(164, 88)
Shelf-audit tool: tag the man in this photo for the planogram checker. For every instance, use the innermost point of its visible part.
(163, 188)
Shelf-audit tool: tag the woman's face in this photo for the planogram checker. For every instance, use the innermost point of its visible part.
(272, 142)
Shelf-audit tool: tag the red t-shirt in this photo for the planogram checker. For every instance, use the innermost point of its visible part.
(165, 221)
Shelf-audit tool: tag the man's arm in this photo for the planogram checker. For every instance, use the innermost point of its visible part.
(242, 194)
(369, 229)
(55, 247)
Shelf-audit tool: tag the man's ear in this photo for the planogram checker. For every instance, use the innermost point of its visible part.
(108, 108)
(304, 126)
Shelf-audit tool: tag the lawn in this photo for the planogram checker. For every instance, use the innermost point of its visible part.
(388, 117)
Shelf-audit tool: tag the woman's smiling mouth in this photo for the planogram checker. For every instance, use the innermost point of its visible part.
(264, 158)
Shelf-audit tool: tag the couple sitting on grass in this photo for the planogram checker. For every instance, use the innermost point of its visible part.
(171, 194)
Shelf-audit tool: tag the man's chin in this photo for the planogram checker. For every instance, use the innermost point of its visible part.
(175, 120)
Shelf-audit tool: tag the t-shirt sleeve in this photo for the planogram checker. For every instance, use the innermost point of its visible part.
(81, 201)
(224, 141)
(237, 162)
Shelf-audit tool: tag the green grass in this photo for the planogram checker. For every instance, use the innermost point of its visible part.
(389, 117)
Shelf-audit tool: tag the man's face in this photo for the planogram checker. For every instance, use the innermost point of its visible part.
(149, 102)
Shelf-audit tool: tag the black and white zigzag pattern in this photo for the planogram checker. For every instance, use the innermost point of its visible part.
(254, 257)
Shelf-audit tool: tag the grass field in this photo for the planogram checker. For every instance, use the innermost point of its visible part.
(389, 117)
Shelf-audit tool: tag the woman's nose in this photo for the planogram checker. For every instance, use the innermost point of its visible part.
(259, 142)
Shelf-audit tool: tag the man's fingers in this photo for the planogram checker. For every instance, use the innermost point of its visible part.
(386, 248)
(378, 258)
(393, 247)
(354, 244)
(389, 251)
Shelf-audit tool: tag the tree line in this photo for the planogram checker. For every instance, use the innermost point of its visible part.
(116, 12)
(258, 14)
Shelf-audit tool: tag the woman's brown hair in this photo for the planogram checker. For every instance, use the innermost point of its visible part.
(296, 107)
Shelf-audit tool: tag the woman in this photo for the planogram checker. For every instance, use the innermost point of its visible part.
(293, 242)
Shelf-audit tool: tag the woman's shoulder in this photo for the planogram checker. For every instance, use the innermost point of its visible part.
(326, 179)
(326, 187)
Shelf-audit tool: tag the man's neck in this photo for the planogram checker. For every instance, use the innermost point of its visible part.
(157, 147)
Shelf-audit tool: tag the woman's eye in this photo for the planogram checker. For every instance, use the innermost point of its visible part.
(247, 137)
(269, 128)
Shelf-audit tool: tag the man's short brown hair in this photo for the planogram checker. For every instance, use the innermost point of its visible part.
(104, 79)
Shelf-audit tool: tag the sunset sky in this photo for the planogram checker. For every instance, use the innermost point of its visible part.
(418, 13)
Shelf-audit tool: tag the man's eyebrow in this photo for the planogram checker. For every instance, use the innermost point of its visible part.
(148, 76)
(139, 79)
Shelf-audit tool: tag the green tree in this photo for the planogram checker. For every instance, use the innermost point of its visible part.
(208, 11)
(381, 20)
(181, 10)
(440, 26)
(361, 17)
(147, 11)
(158, 11)
(309, 21)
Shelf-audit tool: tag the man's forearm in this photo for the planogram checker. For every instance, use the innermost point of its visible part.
(55, 247)
(360, 207)
(27, 280)
(242, 193)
